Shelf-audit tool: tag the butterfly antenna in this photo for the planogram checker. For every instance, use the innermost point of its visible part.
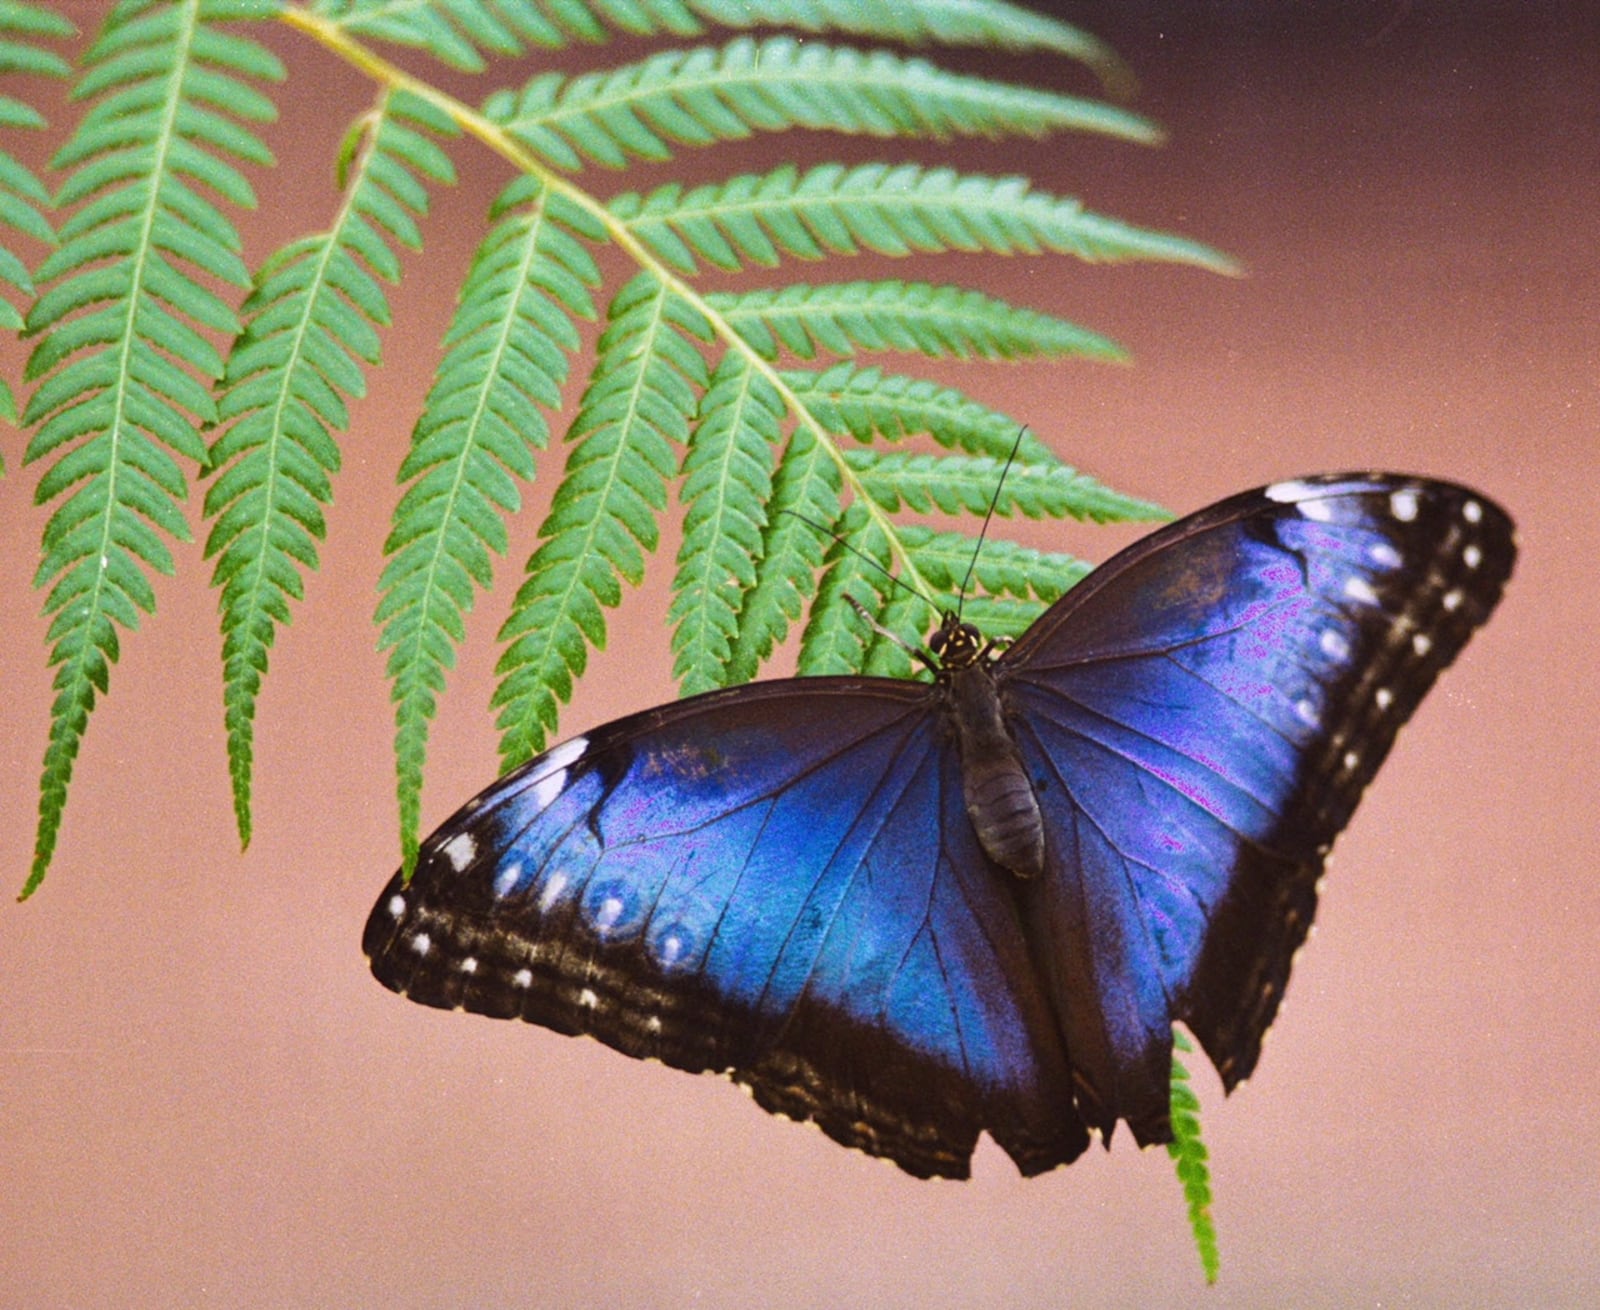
(983, 532)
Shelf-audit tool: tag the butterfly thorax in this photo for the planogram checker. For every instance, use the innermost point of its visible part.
(999, 797)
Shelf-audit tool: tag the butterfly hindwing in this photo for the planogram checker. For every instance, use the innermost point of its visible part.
(778, 881)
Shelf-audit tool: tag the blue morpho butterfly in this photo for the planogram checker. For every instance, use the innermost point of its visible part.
(914, 911)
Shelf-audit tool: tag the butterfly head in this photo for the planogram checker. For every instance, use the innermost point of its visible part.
(956, 645)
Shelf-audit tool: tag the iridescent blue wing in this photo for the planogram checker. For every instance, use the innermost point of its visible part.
(1199, 718)
(778, 881)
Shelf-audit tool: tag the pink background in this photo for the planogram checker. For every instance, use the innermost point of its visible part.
(205, 1099)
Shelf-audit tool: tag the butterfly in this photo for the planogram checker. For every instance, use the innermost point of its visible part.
(916, 910)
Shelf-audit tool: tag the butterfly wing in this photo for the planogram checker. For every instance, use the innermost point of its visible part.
(778, 881)
(1199, 719)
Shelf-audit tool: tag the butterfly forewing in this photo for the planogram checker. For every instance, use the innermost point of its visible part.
(782, 881)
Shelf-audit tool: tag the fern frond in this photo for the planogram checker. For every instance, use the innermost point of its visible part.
(460, 32)
(844, 317)
(646, 385)
(997, 567)
(701, 96)
(959, 484)
(309, 326)
(118, 354)
(1190, 1153)
(836, 640)
(890, 209)
(727, 482)
(805, 508)
(867, 403)
(507, 356)
(23, 198)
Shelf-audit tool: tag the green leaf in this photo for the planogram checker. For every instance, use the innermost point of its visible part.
(1190, 1155)
(636, 410)
(23, 198)
(710, 94)
(508, 353)
(890, 209)
(936, 320)
(310, 324)
(727, 482)
(140, 364)
(805, 508)
(837, 638)
(460, 32)
(997, 567)
(958, 484)
(866, 403)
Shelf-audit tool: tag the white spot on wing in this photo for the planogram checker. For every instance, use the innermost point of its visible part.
(1359, 591)
(652, 1025)
(588, 999)
(554, 782)
(610, 911)
(1334, 645)
(1472, 557)
(552, 891)
(1403, 504)
(1384, 698)
(1472, 512)
(506, 881)
(422, 943)
(1351, 759)
(1422, 643)
(459, 850)
(397, 906)
(1290, 492)
(470, 964)
(1451, 600)
(1385, 555)
(522, 978)
(1307, 712)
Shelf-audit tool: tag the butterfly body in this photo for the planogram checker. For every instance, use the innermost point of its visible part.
(995, 785)
(914, 911)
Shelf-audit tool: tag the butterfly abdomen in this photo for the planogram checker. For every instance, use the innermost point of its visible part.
(999, 798)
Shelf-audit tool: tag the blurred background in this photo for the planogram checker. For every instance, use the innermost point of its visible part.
(206, 1100)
